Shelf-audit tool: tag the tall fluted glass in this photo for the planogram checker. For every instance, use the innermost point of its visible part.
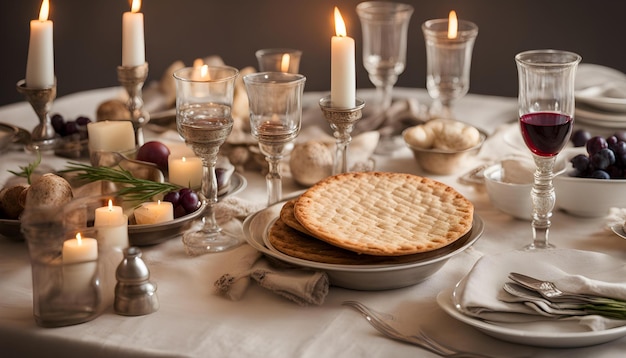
(546, 117)
(204, 98)
(275, 100)
(448, 62)
(385, 26)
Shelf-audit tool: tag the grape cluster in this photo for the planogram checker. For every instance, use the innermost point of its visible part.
(66, 128)
(185, 201)
(605, 158)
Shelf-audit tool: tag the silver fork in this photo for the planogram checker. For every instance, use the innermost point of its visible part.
(419, 339)
(549, 290)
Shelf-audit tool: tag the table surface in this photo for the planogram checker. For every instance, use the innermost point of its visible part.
(195, 322)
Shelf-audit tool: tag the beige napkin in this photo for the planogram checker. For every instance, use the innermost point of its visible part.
(571, 270)
(299, 285)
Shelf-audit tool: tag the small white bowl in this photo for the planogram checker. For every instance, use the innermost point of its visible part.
(588, 197)
(513, 199)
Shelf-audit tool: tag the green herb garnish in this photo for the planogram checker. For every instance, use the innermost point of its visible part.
(134, 189)
(28, 170)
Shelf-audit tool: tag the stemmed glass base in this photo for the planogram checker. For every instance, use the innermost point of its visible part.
(543, 201)
(210, 237)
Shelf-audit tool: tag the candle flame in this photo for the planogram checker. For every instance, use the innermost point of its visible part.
(79, 239)
(340, 26)
(136, 6)
(158, 202)
(45, 10)
(110, 205)
(284, 63)
(204, 72)
(184, 159)
(453, 25)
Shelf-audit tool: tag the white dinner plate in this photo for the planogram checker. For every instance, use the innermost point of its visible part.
(360, 277)
(601, 87)
(544, 333)
(598, 118)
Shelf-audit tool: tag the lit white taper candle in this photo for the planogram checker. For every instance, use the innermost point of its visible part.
(40, 63)
(342, 67)
(133, 45)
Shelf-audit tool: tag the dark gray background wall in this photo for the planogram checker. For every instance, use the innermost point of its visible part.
(87, 36)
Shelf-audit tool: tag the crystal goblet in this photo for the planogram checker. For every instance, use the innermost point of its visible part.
(275, 100)
(546, 112)
(279, 60)
(204, 98)
(385, 26)
(448, 62)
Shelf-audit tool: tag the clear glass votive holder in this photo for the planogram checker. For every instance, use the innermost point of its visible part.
(279, 60)
(63, 293)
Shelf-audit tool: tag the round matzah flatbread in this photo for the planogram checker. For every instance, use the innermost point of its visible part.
(287, 216)
(384, 214)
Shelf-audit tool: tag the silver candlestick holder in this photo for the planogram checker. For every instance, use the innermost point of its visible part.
(342, 121)
(43, 137)
(133, 78)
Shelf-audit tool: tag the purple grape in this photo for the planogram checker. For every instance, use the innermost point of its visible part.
(580, 162)
(58, 123)
(580, 137)
(190, 201)
(595, 144)
(614, 172)
(612, 142)
(179, 211)
(602, 159)
(83, 121)
(600, 174)
(184, 191)
(70, 128)
(621, 135)
(173, 197)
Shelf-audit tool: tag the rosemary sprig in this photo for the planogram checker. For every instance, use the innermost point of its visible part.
(28, 170)
(134, 189)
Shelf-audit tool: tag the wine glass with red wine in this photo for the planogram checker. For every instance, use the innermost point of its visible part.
(546, 112)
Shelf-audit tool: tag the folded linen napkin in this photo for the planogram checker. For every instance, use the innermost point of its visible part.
(480, 293)
(299, 285)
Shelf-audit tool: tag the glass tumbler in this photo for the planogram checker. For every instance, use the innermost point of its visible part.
(279, 60)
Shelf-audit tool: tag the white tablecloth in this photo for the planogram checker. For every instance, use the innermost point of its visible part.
(195, 322)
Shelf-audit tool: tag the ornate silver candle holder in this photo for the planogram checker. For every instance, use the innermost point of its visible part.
(43, 137)
(133, 78)
(341, 121)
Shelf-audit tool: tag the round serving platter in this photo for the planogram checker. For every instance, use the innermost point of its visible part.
(360, 277)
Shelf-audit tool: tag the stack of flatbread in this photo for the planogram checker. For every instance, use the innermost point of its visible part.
(371, 218)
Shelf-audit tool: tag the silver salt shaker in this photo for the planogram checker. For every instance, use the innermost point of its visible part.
(135, 295)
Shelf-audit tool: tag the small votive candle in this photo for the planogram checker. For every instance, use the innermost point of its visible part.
(185, 171)
(111, 227)
(80, 257)
(154, 213)
(111, 136)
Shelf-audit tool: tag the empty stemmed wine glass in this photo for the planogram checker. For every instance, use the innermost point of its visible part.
(449, 45)
(275, 100)
(546, 112)
(204, 98)
(384, 26)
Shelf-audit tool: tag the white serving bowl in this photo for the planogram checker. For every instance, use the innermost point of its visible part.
(589, 197)
(513, 199)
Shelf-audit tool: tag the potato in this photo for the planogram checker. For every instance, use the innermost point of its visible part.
(10, 204)
(49, 190)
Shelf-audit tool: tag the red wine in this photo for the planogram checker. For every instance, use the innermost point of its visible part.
(546, 133)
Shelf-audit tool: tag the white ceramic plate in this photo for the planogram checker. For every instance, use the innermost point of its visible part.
(544, 334)
(359, 277)
(598, 118)
(601, 87)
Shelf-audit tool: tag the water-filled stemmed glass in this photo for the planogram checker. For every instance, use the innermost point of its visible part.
(275, 100)
(546, 117)
(204, 98)
(384, 26)
(449, 46)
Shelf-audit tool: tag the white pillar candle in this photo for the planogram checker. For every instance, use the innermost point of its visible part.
(111, 227)
(343, 73)
(40, 63)
(133, 46)
(111, 136)
(185, 171)
(154, 213)
(79, 250)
